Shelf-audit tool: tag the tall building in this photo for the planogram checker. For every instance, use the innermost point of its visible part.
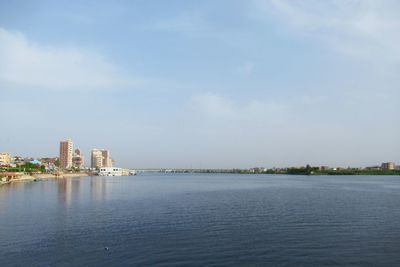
(66, 148)
(96, 158)
(5, 158)
(106, 158)
(388, 166)
(101, 158)
(78, 159)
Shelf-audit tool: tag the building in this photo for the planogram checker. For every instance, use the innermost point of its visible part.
(96, 158)
(49, 163)
(101, 158)
(324, 168)
(66, 148)
(5, 159)
(388, 166)
(110, 171)
(35, 162)
(78, 159)
(107, 162)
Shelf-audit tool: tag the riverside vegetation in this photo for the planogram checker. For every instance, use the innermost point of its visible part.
(304, 170)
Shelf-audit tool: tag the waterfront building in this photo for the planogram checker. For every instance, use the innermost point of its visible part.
(96, 158)
(49, 163)
(110, 171)
(388, 166)
(101, 158)
(66, 148)
(77, 159)
(5, 159)
(107, 162)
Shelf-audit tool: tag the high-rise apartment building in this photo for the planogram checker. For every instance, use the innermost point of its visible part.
(66, 148)
(96, 158)
(388, 166)
(106, 158)
(101, 158)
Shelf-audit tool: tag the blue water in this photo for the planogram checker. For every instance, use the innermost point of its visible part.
(202, 220)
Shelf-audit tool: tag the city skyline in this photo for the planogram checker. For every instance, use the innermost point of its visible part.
(101, 158)
(203, 85)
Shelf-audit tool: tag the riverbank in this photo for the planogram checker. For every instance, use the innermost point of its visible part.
(34, 177)
(61, 175)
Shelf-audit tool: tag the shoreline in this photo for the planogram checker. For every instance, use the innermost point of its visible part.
(64, 175)
(35, 177)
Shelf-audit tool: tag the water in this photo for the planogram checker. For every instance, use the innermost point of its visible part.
(202, 220)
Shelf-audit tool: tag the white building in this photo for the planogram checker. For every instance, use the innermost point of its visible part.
(111, 171)
(5, 158)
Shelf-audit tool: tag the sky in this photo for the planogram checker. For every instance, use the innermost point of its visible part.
(203, 84)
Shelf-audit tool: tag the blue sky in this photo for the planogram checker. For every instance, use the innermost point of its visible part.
(203, 83)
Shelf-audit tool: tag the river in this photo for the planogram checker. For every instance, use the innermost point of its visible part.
(202, 220)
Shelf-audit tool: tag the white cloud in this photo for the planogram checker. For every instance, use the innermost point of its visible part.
(361, 28)
(28, 65)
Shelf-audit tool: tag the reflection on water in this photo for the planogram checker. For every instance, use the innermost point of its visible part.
(73, 189)
(68, 190)
(98, 188)
(64, 191)
(223, 220)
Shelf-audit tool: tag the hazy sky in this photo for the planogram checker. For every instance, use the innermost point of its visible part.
(203, 83)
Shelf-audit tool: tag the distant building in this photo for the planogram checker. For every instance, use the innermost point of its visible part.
(77, 159)
(110, 171)
(324, 168)
(101, 158)
(106, 158)
(35, 162)
(388, 166)
(17, 161)
(5, 158)
(66, 148)
(373, 168)
(96, 158)
(49, 163)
